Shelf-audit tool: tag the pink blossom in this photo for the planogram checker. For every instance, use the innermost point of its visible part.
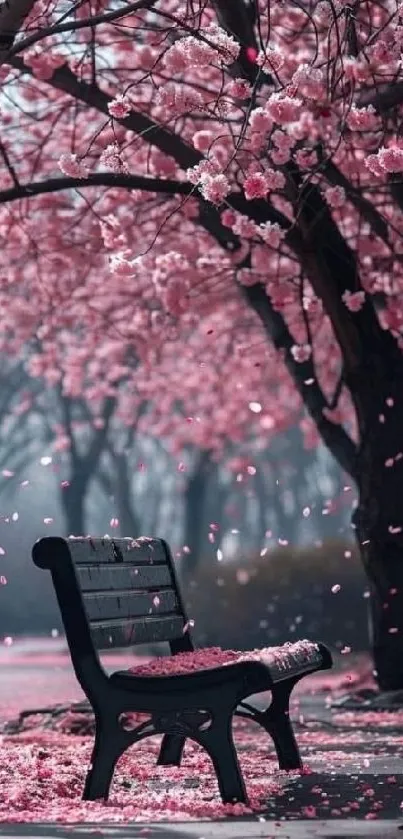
(43, 63)
(306, 158)
(391, 159)
(283, 109)
(282, 140)
(228, 217)
(271, 233)
(244, 226)
(215, 188)
(357, 69)
(280, 156)
(239, 89)
(176, 60)
(257, 142)
(112, 233)
(175, 297)
(373, 163)
(274, 180)
(335, 196)
(384, 51)
(201, 171)
(111, 158)
(120, 107)
(202, 140)
(255, 186)
(227, 46)
(122, 266)
(362, 119)
(212, 657)
(246, 277)
(354, 300)
(177, 99)
(251, 54)
(309, 80)
(270, 59)
(71, 166)
(260, 120)
(189, 52)
(146, 56)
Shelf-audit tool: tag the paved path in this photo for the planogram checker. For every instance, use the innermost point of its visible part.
(343, 829)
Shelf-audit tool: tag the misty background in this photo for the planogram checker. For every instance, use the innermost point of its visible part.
(258, 530)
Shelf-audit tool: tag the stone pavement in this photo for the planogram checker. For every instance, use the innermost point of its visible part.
(236, 829)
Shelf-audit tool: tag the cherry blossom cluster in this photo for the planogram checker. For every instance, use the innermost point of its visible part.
(141, 292)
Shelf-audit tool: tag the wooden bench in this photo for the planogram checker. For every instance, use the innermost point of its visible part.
(115, 593)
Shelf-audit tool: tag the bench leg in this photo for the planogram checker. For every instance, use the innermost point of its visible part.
(219, 744)
(171, 750)
(106, 752)
(276, 721)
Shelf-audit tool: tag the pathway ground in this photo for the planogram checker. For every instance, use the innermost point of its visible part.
(353, 786)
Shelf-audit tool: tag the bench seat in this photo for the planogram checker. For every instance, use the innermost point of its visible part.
(262, 668)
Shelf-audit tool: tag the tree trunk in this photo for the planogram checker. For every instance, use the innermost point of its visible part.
(72, 500)
(128, 521)
(263, 504)
(195, 507)
(379, 523)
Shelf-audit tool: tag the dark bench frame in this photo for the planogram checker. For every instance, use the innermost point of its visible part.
(198, 705)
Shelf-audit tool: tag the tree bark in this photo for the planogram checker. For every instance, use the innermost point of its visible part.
(72, 500)
(379, 518)
(128, 522)
(195, 508)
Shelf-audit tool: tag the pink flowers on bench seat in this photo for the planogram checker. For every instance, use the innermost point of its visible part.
(283, 658)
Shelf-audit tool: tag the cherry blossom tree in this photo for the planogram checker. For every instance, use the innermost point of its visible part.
(166, 162)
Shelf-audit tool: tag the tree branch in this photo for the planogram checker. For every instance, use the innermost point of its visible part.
(367, 210)
(105, 481)
(65, 403)
(238, 19)
(12, 16)
(209, 215)
(72, 26)
(100, 435)
(9, 166)
(97, 179)
(332, 268)
(384, 98)
(342, 447)
(351, 32)
(141, 125)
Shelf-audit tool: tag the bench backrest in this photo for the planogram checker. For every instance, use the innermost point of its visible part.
(115, 593)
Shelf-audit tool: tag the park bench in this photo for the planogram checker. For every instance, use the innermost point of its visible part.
(115, 593)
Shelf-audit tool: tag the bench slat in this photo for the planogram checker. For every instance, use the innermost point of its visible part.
(106, 634)
(295, 663)
(129, 604)
(122, 576)
(279, 674)
(117, 551)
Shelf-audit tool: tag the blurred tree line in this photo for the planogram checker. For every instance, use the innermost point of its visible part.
(61, 473)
